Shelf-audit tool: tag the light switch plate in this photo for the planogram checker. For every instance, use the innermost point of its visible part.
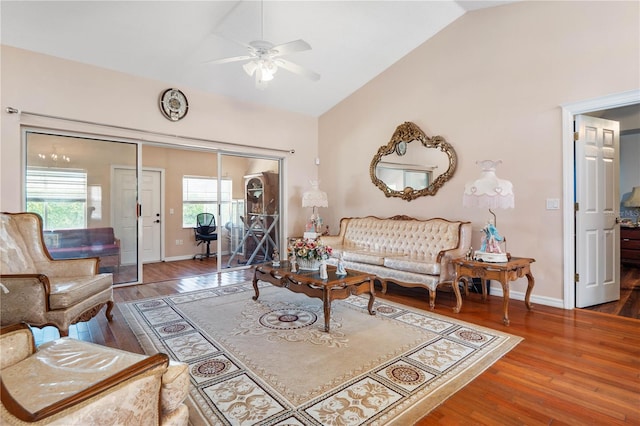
(553, 203)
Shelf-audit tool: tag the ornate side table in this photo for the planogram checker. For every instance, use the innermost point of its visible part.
(505, 272)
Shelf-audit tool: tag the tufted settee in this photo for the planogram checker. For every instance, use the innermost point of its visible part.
(403, 250)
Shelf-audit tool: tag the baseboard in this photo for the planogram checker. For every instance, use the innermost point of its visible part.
(539, 300)
(187, 257)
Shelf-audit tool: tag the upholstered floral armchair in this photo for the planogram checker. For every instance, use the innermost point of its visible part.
(41, 291)
(72, 382)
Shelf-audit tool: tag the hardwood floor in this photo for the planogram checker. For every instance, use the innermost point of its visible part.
(629, 303)
(574, 367)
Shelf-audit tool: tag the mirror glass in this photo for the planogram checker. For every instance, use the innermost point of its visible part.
(412, 165)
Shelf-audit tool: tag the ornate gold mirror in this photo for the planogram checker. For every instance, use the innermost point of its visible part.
(412, 164)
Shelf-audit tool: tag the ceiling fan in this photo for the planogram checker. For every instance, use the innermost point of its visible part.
(264, 58)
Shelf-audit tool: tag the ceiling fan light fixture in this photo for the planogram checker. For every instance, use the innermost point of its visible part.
(265, 57)
(250, 67)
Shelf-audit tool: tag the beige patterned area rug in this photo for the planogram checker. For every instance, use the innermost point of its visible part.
(269, 362)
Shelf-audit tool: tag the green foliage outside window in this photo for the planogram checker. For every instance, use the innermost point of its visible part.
(59, 215)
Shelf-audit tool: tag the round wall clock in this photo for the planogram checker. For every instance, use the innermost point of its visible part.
(173, 104)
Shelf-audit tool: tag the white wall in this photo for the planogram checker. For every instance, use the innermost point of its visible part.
(47, 85)
(492, 84)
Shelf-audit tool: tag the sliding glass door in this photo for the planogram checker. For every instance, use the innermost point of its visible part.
(251, 218)
(88, 208)
(132, 203)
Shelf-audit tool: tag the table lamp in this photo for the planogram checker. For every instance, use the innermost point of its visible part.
(634, 202)
(314, 198)
(489, 191)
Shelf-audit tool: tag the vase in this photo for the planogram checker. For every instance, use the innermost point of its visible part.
(308, 264)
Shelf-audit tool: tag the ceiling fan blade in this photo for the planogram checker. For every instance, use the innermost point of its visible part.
(232, 59)
(233, 40)
(295, 68)
(292, 46)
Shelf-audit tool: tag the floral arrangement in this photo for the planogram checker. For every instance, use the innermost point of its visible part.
(310, 249)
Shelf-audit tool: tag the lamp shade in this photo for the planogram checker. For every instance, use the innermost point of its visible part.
(489, 191)
(634, 198)
(315, 197)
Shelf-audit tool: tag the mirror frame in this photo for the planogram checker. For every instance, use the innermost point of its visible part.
(409, 132)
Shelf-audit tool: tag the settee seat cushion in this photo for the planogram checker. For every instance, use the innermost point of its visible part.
(69, 291)
(363, 256)
(408, 264)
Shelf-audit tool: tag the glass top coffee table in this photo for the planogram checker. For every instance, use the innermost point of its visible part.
(335, 287)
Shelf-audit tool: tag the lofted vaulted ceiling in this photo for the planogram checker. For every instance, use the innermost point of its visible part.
(170, 41)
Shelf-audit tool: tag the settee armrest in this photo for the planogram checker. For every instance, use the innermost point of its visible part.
(70, 267)
(331, 240)
(16, 344)
(447, 270)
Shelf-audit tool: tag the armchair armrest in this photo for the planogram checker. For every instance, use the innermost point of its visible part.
(24, 292)
(70, 267)
(16, 344)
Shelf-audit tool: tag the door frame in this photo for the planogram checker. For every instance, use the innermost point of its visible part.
(569, 110)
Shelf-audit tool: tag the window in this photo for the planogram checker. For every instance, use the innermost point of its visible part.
(59, 196)
(200, 195)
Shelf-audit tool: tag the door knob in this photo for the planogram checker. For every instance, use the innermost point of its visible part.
(156, 221)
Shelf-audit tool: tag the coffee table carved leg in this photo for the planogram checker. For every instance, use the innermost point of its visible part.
(456, 291)
(255, 288)
(372, 298)
(326, 298)
(530, 283)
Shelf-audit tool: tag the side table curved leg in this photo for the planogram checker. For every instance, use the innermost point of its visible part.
(505, 300)
(530, 282)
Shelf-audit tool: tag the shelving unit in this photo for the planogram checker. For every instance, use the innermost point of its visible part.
(260, 236)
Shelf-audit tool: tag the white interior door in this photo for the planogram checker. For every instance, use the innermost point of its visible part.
(597, 165)
(125, 219)
(150, 196)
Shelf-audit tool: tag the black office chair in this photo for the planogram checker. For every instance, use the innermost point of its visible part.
(205, 232)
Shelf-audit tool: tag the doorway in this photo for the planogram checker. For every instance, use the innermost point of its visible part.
(569, 111)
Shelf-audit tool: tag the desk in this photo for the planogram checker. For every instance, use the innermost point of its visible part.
(505, 272)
